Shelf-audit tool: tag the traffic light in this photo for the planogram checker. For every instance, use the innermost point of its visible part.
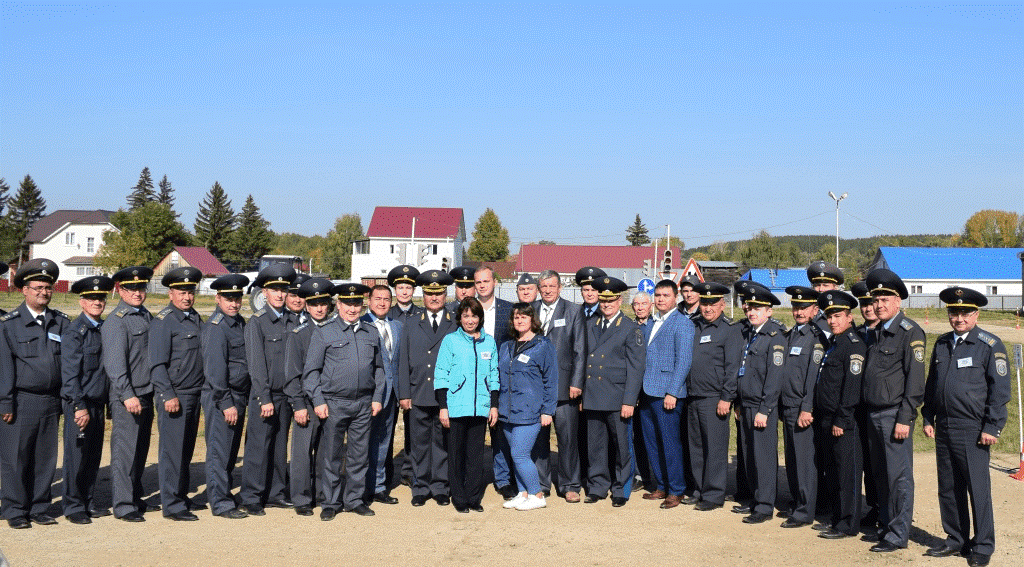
(647, 267)
(666, 265)
(422, 250)
(400, 253)
(444, 264)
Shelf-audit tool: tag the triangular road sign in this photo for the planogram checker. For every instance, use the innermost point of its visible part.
(692, 269)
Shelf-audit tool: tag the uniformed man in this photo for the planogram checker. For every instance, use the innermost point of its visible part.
(866, 301)
(225, 395)
(84, 391)
(823, 277)
(30, 383)
(760, 381)
(294, 302)
(176, 366)
(125, 337)
(421, 339)
(836, 397)
(964, 410)
(711, 388)
(382, 427)
(265, 467)
(402, 279)
(690, 305)
(562, 323)
(527, 288)
(867, 333)
(616, 359)
(306, 465)
(344, 378)
(804, 350)
(465, 285)
(893, 390)
(585, 279)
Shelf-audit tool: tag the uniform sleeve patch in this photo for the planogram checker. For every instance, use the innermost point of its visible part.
(638, 336)
(856, 364)
(817, 355)
(1001, 367)
(778, 357)
(919, 354)
(999, 354)
(917, 344)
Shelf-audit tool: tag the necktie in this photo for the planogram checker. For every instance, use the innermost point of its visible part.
(385, 334)
(604, 325)
(548, 310)
(433, 321)
(41, 320)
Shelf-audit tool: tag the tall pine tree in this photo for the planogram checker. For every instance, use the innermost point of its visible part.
(143, 191)
(253, 237)
(215, 221)
(23, 211)
(166, 195)
(636, 234)
(6, 246)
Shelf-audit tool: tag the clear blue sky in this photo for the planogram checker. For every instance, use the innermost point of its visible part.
(567, 119)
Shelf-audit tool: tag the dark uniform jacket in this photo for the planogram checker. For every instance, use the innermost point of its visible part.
(821, 323)
(265, 335)
(224, 362)
(804, 351)
(418, 354)
(126, 352)
(837, 392)
(295, 348)
(566, 334)
(175, 354)
(397, 314)
(894, 375)
(30, 355)
(616, 360)
(343, 362)
(971, 384)
(717, 350)
(760, 375)
(81, 364)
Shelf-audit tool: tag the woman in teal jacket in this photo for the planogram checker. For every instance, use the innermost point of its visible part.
(466, 386)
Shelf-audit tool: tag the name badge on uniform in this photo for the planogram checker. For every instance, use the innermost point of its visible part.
(523, 358)
(705, 339)
(960, 362)
(485, 355)
(558, 323)
(795, 351)
(53, 336)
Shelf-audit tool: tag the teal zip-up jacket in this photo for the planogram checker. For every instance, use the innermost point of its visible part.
(468, 370)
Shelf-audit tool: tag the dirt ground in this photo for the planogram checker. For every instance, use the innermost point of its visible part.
(569, 534)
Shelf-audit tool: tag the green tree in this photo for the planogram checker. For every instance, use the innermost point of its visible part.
(547, 243)
(337, 248)
(763, 252)
(215, 221)
(636, 234)
(166, 195)
(992, 229)
(143, 191)
(23, 211)
(7, 245)
(490, 239)
(253, 237)
(144, 236)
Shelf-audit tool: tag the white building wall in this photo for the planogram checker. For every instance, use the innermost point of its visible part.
(382, 256)
(72, 240)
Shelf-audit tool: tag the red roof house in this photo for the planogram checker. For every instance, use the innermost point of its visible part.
(567, 259)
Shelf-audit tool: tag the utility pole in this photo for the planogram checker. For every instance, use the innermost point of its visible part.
(837, 199)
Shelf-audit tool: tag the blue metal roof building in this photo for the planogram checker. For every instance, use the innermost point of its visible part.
(927, 271)
(778, 280)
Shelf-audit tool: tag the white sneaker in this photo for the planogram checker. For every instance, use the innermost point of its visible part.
(532, 503)
(515, 502)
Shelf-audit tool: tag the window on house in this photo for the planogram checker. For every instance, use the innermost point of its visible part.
(363, 247)
(69, 238)
(916, 289)
(991, 290)
(432, 248)
(90, 245)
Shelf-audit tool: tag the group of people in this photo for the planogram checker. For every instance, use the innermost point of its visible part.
(312, 366)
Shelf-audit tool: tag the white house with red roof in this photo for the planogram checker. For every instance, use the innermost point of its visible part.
(70, 238)
(428, 238)
(627, 263)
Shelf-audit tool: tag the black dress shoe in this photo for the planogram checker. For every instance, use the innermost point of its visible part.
(362, 510)
(821, 527)
(234, 514)
(442, 500)
(944, 550)
(384, 498)
(978, 560)
(476, 508)
(884, 547)
(462, 509)
(782, 514)
(419, 500)
(689, 500)
(99, 513)
(871, 537)
(508, 492)
(742, 509)
(19, 523)
(618, 501)
(791, 523)
(590, 499)
(132, 517)
(757, 518)
(869, 520)
(834, 534)
(279, 504)
(327, 514)
(79, 518)
(43, 519)
(253, 509)
(704, 506)
(304, 510)
(184, 516)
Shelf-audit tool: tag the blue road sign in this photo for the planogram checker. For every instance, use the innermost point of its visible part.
(646, 284)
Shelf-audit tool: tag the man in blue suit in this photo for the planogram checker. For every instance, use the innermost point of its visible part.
(382, 426)
(669, 337)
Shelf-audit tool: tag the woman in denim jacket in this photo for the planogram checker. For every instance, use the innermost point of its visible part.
(529, 379)
(466, 386)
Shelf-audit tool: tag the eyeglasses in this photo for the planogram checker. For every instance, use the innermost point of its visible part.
(40, 288)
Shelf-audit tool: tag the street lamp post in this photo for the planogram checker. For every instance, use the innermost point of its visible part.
(837, 199)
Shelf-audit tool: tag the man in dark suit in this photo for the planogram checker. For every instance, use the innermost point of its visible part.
(402, 280)
(965, 411)
(584, 278)
(421, 340)
(562, 323)
(382, 427)
(616, 359)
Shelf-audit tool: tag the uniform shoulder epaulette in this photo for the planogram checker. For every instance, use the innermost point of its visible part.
(60, 314)
(854, 338)
(163, 312)
(122, 311)
(987, 338)
(260, 313)
(907, 325)
(300, 327)
(728, 321)
(10, 315)
(216, 319)
(84, 328)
